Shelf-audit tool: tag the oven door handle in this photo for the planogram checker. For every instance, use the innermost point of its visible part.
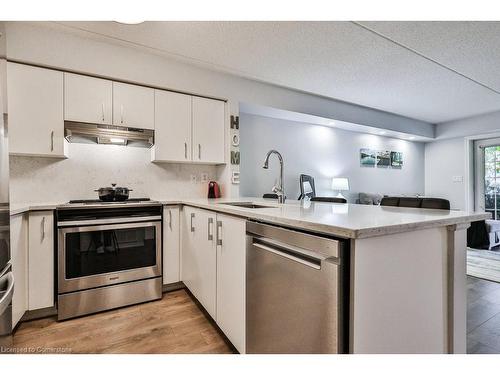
(118, 220)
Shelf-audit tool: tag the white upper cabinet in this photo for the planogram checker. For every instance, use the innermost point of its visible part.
(36, 111)
(208, 130)
(172, 127)
(88, 99)
(133, 106)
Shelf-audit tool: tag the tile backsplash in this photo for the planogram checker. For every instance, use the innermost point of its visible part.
(90, 166)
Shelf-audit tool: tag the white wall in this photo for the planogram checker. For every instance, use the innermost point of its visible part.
(443, 161)
(52, 45)
(324, 153)
(449, 156)
(471, 126)
(36, 180)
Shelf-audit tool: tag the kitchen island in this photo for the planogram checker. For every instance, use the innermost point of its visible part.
(407, 268)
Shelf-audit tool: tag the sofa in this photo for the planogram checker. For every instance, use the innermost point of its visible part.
(493, 229)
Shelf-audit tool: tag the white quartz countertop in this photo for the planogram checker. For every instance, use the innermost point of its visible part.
(342, 220)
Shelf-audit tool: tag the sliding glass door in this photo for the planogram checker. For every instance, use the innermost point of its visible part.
(487, 176)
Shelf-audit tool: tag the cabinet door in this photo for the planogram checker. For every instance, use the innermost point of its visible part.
(19, 260)
(171, 244)
(188, 255)
(87, 99)
(3, 84)
(35, 107)
(231, 250)
(133, 106)
(172, 126)
(208, 130)
(41, 260)
(199, 257)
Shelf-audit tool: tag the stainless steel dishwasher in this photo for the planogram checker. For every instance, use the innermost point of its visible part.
(296, 291)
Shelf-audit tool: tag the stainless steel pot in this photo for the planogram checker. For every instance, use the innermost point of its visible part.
(122, 193)
(107, 194)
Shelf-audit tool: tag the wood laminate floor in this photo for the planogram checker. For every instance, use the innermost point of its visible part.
(174, 324)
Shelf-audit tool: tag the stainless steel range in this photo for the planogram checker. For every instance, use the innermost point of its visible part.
(109, 255)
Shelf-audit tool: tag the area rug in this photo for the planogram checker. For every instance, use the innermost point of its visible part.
(484, 264)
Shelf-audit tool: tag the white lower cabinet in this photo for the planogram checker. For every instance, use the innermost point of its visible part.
(19, 260)
(171, 245)
(199, 259)
(231, 257)
(213, 267)
(41, 260)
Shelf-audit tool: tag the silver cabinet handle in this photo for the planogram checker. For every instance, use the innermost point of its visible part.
(185, 150)
(102, 112)
(192, 227)
(121, 114)
(170, 219)
(42, 227)
(219, 233)
(199, 151)
(210, 229)
(52, 140)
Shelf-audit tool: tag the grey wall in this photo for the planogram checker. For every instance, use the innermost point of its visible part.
(323, 153)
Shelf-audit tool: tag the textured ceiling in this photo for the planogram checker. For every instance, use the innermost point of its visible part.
(431, 71)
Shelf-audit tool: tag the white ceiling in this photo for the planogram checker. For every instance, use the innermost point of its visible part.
(431, 71)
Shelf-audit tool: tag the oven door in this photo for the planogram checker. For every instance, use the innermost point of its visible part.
(94, 256)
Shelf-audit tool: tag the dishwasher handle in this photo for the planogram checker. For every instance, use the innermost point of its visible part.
(290, 252)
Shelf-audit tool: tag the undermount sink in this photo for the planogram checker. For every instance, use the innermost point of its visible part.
(247, 205)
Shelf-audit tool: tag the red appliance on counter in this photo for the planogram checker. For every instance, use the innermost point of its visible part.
(213, 190)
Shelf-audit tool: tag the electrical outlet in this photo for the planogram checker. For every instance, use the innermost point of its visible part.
(204, 177)
(458, 179)
(193, 179)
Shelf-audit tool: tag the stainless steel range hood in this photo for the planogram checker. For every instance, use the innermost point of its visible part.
(79, 132)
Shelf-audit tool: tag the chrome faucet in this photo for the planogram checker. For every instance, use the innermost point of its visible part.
(280, 188)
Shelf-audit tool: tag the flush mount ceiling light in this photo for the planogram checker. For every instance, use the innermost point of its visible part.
(130, 21)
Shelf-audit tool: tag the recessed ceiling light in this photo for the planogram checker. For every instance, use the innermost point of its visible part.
(382, 133)
(411, 138)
